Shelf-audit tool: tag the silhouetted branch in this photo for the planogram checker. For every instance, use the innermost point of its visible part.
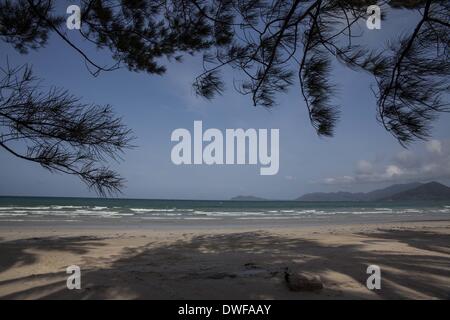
(57, 131)
(266, 43)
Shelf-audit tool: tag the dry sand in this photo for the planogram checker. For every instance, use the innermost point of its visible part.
(226, 264)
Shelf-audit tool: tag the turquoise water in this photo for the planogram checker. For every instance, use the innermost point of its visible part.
(75, 209)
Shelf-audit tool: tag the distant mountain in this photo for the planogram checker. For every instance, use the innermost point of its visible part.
(247, 198)
(428, 191)
(332, 196)
(396, 192)
(390, 191)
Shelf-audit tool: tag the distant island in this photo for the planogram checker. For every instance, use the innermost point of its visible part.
(398, 192)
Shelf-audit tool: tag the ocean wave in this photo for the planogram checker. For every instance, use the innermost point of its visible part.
(410, 211)
(96, 208)
(174, 211)
(146, 210)
(83, 211)
(100, 213)
(25, 208)
(12, 214)
(48, 212)
(325, 213)
(268, 218)
(365, 212)
(201, 218)
(310, 211)
(232, 213)
(160, 218)
(38, 208)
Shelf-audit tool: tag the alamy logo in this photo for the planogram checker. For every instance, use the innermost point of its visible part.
(74, 20)
(236, 151)
(374, 280)
(374, 19)
(74, 280)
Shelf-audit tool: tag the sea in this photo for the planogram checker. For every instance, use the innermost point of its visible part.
(42, 211)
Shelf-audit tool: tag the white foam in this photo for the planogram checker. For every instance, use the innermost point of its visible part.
(410, 211)
(325, 212)
(97, 213)
(311, 211)
(49, 213)
(232, 213)
(203, 218)
(268, 218)
(11, 214)
(96, 208)
(145, 210)
(25, 208)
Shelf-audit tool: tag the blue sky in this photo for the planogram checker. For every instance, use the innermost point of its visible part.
(362, 155)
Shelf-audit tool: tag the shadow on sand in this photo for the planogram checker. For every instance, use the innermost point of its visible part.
(246, 265)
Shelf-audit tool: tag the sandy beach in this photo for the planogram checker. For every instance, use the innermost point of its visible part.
(225, 263)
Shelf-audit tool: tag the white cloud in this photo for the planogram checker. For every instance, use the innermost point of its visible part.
(430, 162)
(434, 146)
(340, 180)
(393, 170)
(364, 167)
